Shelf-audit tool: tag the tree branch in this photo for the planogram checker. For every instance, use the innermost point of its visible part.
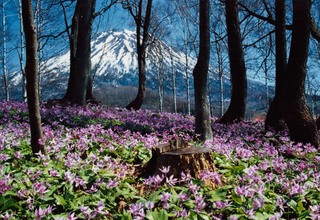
(102, 11)
(315, 31)
(261, 38)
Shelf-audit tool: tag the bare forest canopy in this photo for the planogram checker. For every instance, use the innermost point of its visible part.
(176, 24)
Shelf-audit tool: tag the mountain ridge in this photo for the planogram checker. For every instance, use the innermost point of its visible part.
(114, 62)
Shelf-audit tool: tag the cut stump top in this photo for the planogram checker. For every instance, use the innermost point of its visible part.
(180, 158)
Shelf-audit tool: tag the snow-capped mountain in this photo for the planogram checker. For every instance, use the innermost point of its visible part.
(114, 62)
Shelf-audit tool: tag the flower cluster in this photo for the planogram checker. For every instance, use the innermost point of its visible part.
(93, 153)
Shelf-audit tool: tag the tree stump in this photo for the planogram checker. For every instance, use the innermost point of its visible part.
(181, 158)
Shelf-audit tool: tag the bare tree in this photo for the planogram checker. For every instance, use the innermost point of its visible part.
(200, 74)
(21, 52)
(189, 30)
(142, 20)
(275, 115)
(173, 74)
(237, 107)
(220, 48)
(80, 52)
(4, 52)
(297, 113)
(32, 77)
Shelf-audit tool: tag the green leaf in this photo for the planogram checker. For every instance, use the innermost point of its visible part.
(60, 200)
(293, 204)
(238, 169)
(161, 215)
(237, 199)
(126, 216)
(218, 195)
(262, 216)
(9, 204)
(300, 207)
(304, 214)
(204, 216)
(193, 216)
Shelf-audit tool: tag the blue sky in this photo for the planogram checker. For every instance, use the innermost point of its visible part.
(115, 18)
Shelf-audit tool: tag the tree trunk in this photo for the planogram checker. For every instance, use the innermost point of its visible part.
(188, 86)
(237, 107)
(4, 53)
(80, 53)
(220, 72)
(200, 74)
(174, 92)
(160, 77)
(21, 55)
(39, 25)
(142, 28)
(275, 115)
(180, 158)
(298, 117)
(138, 101)
(32, 77)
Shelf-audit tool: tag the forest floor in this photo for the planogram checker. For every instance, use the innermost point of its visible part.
(94, 153)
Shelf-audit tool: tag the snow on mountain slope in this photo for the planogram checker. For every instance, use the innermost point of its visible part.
(114, 62)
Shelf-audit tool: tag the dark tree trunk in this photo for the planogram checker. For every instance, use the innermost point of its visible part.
(298, 117)
(80, 53)
(142, 30)
(32, 77)
(237, 107)
(200, 74)
(275, 115)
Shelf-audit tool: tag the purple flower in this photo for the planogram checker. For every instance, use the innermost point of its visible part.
(214, 176)
(185, 177)
(157, 180)
(233, 217)
(4, 157)
(40, 213)
(315, 212)
(71, 216)
(183, 197)
(258, 203)
(166, 205)
(4, 186)
(18, 154)
(149, 205)
(70, 177)
(54, 173)
(171, 181)
(193, 187)
(184, 214)
(86, 212)
(79, 181)
(112, 183)
(296, 189)
(137, 210)
(221, 204)
(7, 216)
(40, 188)
(100, 209)
(276, 216)
(165, 197)
(240, 190)
(165, 170)
(243, 153)
(200, 203)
